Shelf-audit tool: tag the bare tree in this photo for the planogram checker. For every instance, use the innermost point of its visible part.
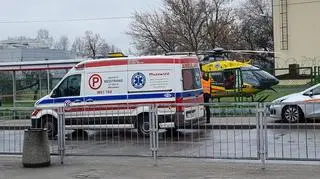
(44, 35)
(151, 33)
(93, 43)
(220, 25)
(182, 25)
(78, 47)
(256, 26)
(62, 44)
(188, 18)
(105, 49)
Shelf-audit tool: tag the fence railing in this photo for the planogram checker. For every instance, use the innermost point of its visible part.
(252, 131)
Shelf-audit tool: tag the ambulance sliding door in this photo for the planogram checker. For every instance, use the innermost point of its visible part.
(150, 83)
(106, 93)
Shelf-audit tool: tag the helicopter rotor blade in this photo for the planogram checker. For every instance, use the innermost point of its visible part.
(251, 51)
(262, 98)
(273, 89)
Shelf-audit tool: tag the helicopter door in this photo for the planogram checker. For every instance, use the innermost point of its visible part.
(232, 79)
(217, 79)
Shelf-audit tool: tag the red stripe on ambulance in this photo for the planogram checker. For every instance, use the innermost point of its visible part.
(118, 62)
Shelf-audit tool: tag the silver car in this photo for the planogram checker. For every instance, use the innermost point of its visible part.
(298, 106)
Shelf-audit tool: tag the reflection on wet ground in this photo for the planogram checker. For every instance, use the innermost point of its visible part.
(281, 143)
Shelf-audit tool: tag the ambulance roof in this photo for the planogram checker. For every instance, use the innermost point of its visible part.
(138, 60)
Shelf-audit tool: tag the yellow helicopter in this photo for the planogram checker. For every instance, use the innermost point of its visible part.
(232, 78)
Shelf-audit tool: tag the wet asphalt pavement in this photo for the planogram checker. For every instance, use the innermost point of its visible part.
(207, 143)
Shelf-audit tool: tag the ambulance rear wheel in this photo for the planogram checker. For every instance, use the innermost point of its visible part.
(143, 125)
(50, 123)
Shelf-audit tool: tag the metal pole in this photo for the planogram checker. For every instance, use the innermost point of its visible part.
(258, 130)
(154, 138)
(265, 124)
(261, 131)
(156, 134)
(14, 90)
(48, 81)
(40, 84)
(61, 134)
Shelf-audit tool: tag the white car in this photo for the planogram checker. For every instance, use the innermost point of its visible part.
(298, 106)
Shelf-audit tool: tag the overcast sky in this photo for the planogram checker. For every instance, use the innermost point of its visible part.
(32, 10)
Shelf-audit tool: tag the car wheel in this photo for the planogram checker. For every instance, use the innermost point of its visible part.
(51, 125)
(292, 114)
(143, 125)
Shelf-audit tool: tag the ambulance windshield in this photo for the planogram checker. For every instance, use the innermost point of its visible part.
(191, 79)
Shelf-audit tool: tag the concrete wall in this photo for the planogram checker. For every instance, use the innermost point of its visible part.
(303, 33)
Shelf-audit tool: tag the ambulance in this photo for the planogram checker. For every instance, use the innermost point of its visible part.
(122, 91)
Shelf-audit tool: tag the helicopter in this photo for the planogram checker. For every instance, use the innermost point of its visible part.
(235, 78)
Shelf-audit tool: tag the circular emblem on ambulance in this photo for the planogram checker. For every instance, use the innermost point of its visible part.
(138, 80)
(67, 105)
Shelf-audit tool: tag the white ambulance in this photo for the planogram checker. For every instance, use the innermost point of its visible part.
(121, 90)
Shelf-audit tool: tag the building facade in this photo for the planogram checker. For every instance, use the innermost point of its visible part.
(30, 50)
(296, 32)
(33, 54)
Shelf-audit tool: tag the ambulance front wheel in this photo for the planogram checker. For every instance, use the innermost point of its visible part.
(50, 123)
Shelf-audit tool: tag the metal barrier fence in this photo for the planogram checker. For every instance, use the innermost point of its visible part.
(296, 136)
(252, 131)
(13, 122)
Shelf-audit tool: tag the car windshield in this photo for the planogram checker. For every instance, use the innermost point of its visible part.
(311, 88)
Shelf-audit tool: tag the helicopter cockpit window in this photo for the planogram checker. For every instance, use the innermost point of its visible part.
(255, 76)
(248, 77)
(261, 74)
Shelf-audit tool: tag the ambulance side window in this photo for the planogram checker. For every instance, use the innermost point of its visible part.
(191, 79)
(69, 87)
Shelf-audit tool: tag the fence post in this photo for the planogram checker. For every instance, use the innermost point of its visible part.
(154, 133)
(262, 133)
(258, 130)
(61, 134)
(313, 75)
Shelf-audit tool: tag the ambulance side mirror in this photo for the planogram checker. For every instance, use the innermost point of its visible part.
(54, 93)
